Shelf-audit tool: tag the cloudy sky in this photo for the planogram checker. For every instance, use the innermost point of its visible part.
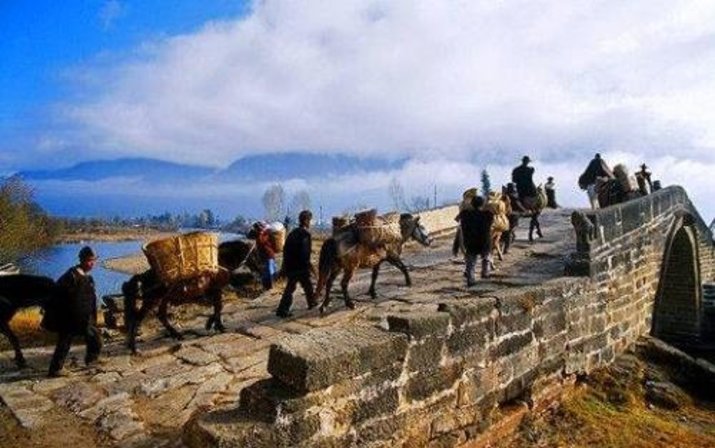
(453, 86)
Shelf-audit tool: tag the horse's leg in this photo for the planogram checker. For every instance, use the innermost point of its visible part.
(347, 275)
(5, 329)
(397, 262)
(328, 287)
(538, 226)
(135, 323)
(164, 319)
(375, 272)
(217, 300)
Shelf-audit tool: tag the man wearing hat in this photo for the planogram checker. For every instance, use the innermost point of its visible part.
(76, 309)
(523, 177)
(645, 185)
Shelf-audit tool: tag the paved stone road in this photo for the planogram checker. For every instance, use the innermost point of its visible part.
(145, 400)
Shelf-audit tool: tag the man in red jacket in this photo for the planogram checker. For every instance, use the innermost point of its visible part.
(267, 253)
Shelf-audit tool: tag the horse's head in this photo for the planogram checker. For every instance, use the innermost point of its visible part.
(411, 228)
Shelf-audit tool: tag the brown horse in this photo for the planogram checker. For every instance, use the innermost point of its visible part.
(344, 252)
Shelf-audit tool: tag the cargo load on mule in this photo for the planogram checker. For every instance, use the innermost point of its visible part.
(189, 260)
(276, 234)
(376, 230)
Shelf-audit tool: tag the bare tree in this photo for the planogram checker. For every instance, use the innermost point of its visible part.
(300, 201)
(397, 194)
(274, 202)
(419, 203)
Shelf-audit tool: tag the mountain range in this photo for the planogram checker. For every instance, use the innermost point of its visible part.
(140, 186)
(260, 168)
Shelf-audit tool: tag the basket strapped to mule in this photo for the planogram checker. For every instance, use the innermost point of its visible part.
(377, 230)
(183, 257)
(278, 237)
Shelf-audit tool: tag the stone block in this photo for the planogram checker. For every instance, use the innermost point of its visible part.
(516, 321)
(425, 384)
(549, 325)
(419, 325)
(468, 313)
(383, 429)
(471, 339)
(383, 403)
(425, 355)
(511, 345)
(323, 357)
(265, 399)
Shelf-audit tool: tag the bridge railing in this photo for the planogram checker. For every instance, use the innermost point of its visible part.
(599, 233)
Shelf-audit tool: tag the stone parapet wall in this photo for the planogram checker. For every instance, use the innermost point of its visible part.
(626, 236)
(443, 377)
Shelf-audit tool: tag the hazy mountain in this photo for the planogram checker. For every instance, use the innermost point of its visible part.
(269, 167)
(109, 199)
(279, 167)
(148, 169)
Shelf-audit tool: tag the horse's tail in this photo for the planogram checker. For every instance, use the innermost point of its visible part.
(326, 262)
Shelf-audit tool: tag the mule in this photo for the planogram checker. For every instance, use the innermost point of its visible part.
(621, 188)
(22, 291)
(344, 252)
(237, 253)
(206, 289)
(147, 287)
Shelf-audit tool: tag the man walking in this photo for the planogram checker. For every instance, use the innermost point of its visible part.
(296, 265)
(76, 310)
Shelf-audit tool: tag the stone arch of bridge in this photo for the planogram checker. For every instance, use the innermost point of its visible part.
(677, 312)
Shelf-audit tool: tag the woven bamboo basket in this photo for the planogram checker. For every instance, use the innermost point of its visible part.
(380, 230)
(278, 238)
(183, 257)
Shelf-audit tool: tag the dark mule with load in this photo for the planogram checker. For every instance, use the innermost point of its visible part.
(22, 291)
(346, 251)
(205, 289)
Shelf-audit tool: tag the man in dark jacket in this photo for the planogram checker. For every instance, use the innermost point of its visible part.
(296, 265)
(476, 225)
(523, 177)
(76, 310)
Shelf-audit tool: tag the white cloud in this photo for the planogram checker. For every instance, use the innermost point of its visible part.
(464, 79)
(110, 11)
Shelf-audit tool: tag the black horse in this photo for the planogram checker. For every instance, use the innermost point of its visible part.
(22, 291)
(203, 290)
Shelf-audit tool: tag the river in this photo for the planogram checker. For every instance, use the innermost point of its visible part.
(55, 260)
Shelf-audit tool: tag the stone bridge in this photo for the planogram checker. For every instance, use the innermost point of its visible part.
(437, 364)
(453, 374)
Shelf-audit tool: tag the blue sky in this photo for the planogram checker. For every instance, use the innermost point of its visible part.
(42, 40)
(453, 87)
